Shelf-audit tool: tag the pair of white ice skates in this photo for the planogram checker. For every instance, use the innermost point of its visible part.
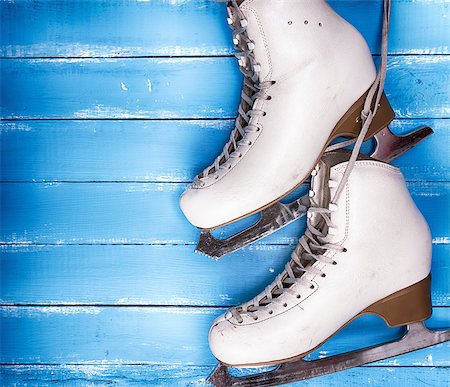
(309, 78)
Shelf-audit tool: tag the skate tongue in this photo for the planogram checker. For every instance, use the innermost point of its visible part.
(320, 189)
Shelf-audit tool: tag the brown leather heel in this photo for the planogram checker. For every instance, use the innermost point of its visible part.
(406, 306)
(350, 124)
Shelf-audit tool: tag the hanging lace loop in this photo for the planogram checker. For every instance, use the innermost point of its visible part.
(373, 99)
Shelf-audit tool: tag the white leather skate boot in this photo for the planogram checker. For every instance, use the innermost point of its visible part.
(371, 246)
(307, 72)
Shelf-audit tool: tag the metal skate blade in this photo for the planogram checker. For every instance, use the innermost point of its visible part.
(417, 336)
(389, 146)
(272, 218)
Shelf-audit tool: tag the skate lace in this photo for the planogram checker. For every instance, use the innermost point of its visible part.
(253, 90)
(312, 246)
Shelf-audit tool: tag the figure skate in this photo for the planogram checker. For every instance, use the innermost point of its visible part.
(309, 78)
(388, 147)
(356, 247)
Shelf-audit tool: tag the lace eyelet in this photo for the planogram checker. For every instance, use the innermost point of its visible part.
(269, 98)
(255, 318)
(334, 263)
(240, 155)
(299, 296)
(264, 114)
(258, 129)
(270, 311)
(285, 305)
(229, 166)
(311, 287)
(323, 275)
(249, 143)
(345, 250)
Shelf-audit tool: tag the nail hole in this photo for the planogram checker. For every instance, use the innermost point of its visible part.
(306, 21)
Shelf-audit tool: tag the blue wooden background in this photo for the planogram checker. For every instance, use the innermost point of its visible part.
(109, 109)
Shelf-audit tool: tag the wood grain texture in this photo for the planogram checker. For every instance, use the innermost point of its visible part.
(156, 335)
(99, 283)
(184, 375)
(154, 275)
(418, 87)
(160, 151)
(145, 213)
(122, 28)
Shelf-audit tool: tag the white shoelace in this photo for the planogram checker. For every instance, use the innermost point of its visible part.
(312, 246)
(253, 90)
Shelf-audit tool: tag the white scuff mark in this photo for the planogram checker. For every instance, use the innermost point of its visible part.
(123, 86)
(429, 358)
(133, 301)
(102, 111)
(225, 297)
(18, 240)
(20, 311)
(271, 269)
(441, 240)
(51, 184)
(172, 310)
(14, 127)
(149, 85)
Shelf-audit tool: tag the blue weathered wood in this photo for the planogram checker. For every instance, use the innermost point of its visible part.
(160, 151)
(149, 335)
(122, 28)
(154, 275)
(418, 87)
(117, 213)
(187, 375)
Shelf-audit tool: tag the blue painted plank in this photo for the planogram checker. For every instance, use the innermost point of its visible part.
(159, 151)
(149, 335)
(122, 28)
(418, 87)
(144, 213)
(119, 275)
(184, 375)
